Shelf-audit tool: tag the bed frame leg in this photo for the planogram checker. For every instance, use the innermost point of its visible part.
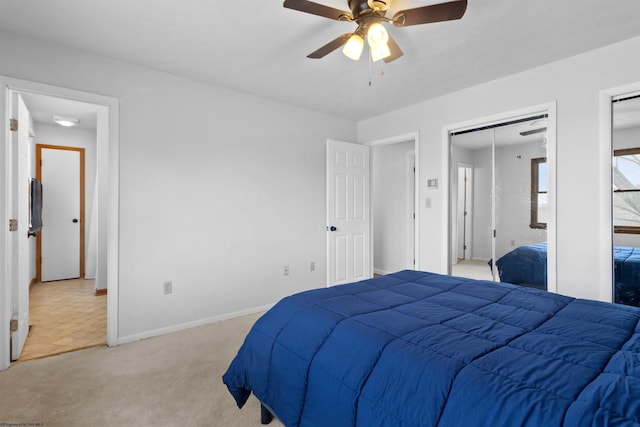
(265, 415)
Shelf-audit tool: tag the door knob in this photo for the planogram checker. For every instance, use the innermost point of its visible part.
(332, 228)
(75, 220)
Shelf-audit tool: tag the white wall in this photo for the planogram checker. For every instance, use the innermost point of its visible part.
(575, 84)
(218, 189)
(390, 200)
(52, 134)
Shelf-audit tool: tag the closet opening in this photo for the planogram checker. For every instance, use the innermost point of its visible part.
(501, 200)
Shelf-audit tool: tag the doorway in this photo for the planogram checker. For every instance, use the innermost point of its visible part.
(66, 311)
(463, 212)
(394, 177)
(106, 113)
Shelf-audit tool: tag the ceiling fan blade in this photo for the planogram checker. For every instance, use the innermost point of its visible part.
(330, 47)
(318, 9)
(396, 52)
(432, 13)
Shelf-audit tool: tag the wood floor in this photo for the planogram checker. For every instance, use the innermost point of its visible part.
(64, 316)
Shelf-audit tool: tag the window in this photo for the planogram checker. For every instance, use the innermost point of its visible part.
(539, 193)
(626, 191)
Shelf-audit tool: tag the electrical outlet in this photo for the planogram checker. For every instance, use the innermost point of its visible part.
(286, 270)
(312, 266)
(168, 287)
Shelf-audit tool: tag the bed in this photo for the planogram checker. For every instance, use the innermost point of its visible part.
(527, 266)
(422, 349)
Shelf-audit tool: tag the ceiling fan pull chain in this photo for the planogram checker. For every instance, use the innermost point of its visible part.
(370, 66)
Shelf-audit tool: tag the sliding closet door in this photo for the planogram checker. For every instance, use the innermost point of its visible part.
(521, 195)
(626, 199)
(507, 163)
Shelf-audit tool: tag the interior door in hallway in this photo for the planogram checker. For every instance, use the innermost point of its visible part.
(62, 246)
(348, 213)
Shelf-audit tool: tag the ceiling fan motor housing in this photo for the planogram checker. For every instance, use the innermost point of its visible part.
(378, 4)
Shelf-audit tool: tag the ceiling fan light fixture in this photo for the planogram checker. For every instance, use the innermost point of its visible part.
(354, 46)
(380, 52)
(377, 35)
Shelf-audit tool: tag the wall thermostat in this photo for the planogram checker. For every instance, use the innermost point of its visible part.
(432, 183)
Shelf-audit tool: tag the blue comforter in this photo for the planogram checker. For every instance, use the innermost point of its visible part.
(422, 349)
(525, 265)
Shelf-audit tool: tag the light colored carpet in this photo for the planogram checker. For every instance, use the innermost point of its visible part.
(172, 380)
(472, 269)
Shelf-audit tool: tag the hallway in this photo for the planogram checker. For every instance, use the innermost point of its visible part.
(64, 316)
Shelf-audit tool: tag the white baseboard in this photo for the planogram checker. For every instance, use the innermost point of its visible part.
(170, 329)
(381, 272)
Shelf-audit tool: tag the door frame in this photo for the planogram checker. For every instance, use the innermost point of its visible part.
(550, 108)
(415, 137)
(468, 204)
(39, 148)
(108, 199)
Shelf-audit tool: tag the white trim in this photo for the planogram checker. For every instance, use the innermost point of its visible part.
(188, 325)
(381, 272)
(5, 215)
(415, 136)
(551, 109)
(410, 181)
(112, 198)
(605, 292)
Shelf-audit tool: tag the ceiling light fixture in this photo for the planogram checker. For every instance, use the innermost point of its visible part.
(353, 48)
(380, 52)
(377, 36)
(369, 15)
(65, 121)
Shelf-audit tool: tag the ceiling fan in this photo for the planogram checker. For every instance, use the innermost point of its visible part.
(369, 15)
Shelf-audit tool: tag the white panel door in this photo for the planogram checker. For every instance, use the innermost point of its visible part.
(348, 213)
(60, 236)
(20, 280)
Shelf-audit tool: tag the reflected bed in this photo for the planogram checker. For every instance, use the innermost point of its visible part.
(527, 266)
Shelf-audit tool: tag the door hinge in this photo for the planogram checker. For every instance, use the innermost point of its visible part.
(13, 225)
(13, 325)
(13, 125)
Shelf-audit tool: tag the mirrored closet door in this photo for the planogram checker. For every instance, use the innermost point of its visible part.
(498, 202)
(626, 199)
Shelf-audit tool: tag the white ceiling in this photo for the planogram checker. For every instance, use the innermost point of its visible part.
(259, 47)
